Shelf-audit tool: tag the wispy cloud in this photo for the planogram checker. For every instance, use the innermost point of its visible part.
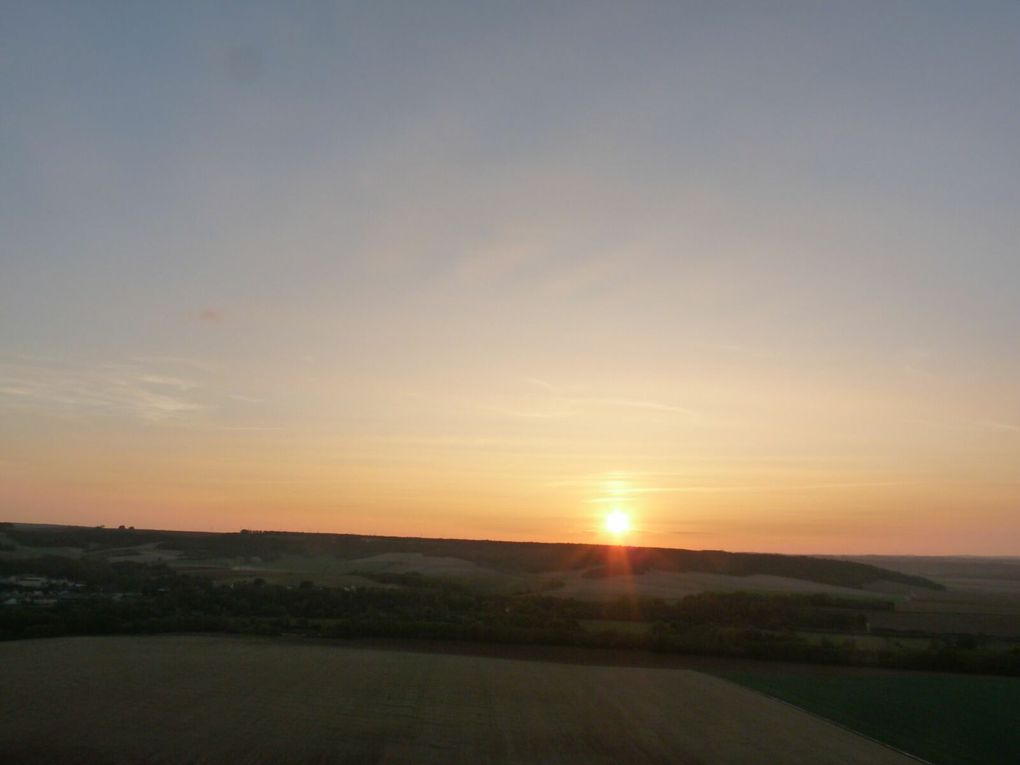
(124, 389)
(542, 384)
(631, 403)
(164, 381)
(160, 361)
(968, 423)
(529, 414)
(245, 399)
(755, 488)
(1001, 426)
(571, 402)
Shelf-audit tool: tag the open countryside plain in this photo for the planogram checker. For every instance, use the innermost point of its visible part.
(215, 699)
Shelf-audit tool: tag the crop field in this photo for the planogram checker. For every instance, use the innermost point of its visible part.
(945, 719)
(247, 700)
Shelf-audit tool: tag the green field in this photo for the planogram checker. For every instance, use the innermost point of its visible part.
(945, 719)
(200, 699)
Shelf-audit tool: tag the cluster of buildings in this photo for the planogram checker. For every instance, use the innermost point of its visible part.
(32, 590)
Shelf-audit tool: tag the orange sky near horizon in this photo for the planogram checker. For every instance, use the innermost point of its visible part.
(711, 489)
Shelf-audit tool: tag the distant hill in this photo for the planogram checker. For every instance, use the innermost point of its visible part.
(507, 557)
(999, 575)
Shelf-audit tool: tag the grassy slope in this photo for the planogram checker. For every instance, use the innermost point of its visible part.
(945, 719)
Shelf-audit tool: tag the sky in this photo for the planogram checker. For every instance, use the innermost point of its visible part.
(745, 272)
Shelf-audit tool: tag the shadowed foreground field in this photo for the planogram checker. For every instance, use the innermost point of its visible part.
(247, 700)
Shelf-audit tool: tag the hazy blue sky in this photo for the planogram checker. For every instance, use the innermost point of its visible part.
(748, 271)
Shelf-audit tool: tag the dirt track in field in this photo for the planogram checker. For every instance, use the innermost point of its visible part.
(197, 699)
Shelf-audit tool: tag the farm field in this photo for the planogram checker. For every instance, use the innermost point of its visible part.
(214, 699)
(945, 719)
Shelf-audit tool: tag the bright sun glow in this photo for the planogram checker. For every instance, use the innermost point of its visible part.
(618, 522)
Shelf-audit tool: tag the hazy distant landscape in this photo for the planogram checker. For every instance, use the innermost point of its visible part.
(391, 626)
(945, 613)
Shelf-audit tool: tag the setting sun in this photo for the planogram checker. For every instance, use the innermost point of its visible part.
(618, 522)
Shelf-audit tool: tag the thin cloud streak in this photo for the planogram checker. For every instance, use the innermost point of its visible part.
(629, 403)
(528, 415)
(124, 389)
(160, 360)
(575, 401)
(966, 423)
(995, 425)
(756, 489)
